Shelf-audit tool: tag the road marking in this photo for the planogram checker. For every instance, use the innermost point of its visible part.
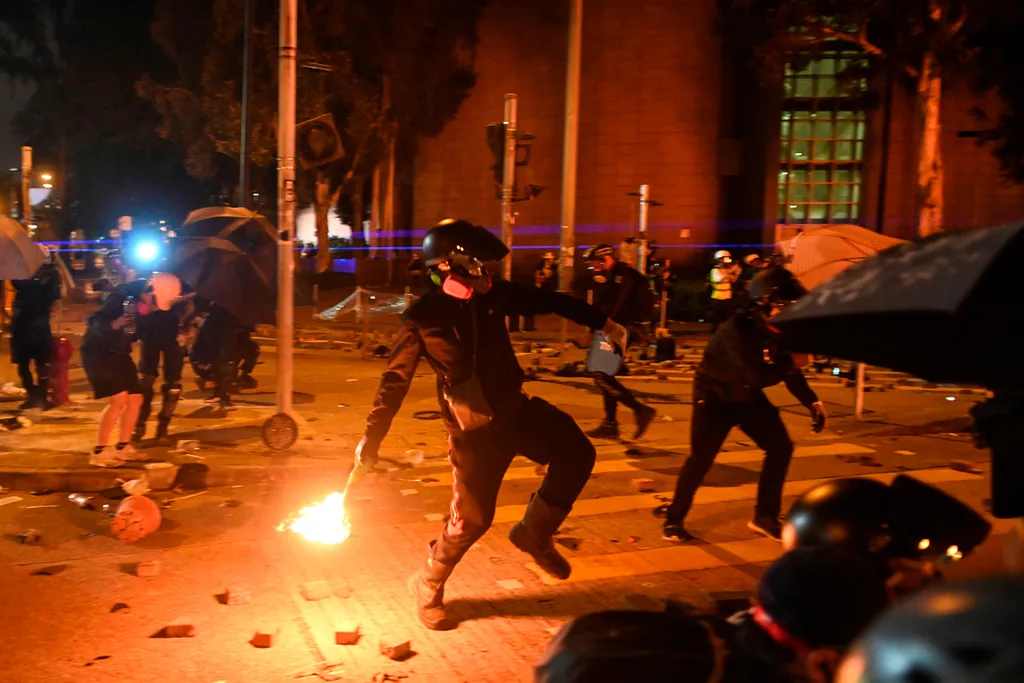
(683, 558)
(640, 465)
(706, 495)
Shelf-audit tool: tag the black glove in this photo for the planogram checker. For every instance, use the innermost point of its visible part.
(819, 418)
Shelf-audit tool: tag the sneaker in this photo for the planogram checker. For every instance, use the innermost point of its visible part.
(605, 430)
(770, 527)
(226, 404)
(675, 533)
(644, 417)
(128, 453)
(108, 457)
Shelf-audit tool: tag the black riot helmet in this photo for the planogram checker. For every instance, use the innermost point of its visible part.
(954, 632)
(847, 513)
(774, 286)
(458, 246)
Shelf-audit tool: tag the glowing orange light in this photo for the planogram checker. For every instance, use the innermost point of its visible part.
(324, 522)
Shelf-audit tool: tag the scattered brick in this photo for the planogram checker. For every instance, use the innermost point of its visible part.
(237, 595)
(341, 591)
(642, 485)
(965, 466)
(395, 649)
(30, 537)
(150, 568)
(347, 633)
(180, 628)
(265, 636)
(315, 590)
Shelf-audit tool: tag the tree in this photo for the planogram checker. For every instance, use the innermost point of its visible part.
(925, 41)
(350, 43)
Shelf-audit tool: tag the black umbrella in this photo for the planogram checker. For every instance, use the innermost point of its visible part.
(221, 272)
(945, 309)
(249, 231)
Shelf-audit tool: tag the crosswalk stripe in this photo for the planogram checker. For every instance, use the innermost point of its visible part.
(632, 465)
(707, 495)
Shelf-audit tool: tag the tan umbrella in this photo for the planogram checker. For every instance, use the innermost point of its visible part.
(20, 257)
(817, 255)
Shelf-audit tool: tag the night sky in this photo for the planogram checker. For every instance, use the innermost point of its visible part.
(12, 98)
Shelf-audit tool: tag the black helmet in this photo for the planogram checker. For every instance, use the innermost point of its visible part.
(461, 245)
(951, 633)
(598, 252)
(928, 523)
(848, 513)
(773, 285)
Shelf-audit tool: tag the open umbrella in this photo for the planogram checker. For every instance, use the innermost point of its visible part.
(221, 272)
(249, 231)
(945, 308)
(816, 255)
(20, 257)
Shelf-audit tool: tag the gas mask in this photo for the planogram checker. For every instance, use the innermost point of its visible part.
(470, 277)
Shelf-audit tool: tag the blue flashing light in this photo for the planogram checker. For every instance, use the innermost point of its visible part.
(147, 252)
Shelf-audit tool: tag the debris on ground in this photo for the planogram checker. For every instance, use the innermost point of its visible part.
(965, 466)
(315, 590)
(265, 636)
(82, 500)
(382, 677)
(231, 503)
(42, 492)
(510, 584)
(347, 633)
(395, 649)
(570, 543)
(632, 539)
(237, 595)
(118, 606)
(180, 628)
(135, 487)
(414, 456)
(642, 485)
(52, 570)
(147, 569)
(341, 591)
(29, 537)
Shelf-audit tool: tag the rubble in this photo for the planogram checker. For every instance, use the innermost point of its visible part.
(237, 595)
(315, 590)
(29, 537)
(265, 636)
(347, 633)
(395, 649)
(965, 466)
(642, 485)
(180, 628)
(147, 569)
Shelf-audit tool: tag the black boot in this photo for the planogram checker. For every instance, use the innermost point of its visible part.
(605, 430)
(427, 587)
(533, 536)
(139, 434)
(162, 425)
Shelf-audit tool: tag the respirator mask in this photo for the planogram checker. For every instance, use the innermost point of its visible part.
(471, 276)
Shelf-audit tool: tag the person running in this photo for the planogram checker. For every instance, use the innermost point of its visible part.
(458, 327)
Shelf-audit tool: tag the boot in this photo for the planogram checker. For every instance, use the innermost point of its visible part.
(606, 430)
(533, 536)
(162, 425)
(427, 587)
(140, 433)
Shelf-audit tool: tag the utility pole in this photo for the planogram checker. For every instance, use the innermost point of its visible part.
(570, 157)
(645, 196)
(508, 177)
(26, 185)
(244, 193)
(281, 431)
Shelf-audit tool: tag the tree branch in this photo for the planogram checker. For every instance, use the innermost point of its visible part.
(957, 25)
(860, 40)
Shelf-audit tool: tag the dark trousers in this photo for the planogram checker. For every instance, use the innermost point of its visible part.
(709, 427)
(38, 355)
(479, 459)
(614, 393)
(721, 310)
(249, 353)
(149, 369)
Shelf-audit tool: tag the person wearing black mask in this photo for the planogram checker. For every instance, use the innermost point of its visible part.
(31, 338)
(458, 327)
(622, 294)
(742, 359)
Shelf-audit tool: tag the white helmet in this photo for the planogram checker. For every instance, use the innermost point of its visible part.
(722, 256)
(165, 288)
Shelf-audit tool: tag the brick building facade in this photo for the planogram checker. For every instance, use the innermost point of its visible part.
(662, 103)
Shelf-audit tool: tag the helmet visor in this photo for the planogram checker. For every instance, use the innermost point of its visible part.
(463, 265)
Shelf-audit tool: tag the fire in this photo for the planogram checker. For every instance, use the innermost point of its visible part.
(324, 522)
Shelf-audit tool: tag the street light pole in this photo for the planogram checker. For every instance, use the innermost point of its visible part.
(508, 178)
(26, 185)
(645, 197)
(286, 201)
(570, 157)
(244, 195)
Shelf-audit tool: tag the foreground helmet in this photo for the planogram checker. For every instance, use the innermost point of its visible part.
(969, 632)
(722, 256)
(598, 252)
(847, 513)
(165, 288)
(461, 247)
(775, 285)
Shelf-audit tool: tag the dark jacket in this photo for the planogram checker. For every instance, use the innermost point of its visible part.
(742, 359)
(625, 297)
(439, 328)
(33, 301)
(100, 336)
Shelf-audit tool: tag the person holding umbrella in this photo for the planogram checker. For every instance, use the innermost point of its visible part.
(31, 337)
(741, 360)
(459, 328)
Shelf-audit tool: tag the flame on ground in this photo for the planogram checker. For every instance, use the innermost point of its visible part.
(324, 522)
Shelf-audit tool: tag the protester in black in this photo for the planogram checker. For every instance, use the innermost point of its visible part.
(31, 338)
(740, 361)
(458, 327)
(622, 294)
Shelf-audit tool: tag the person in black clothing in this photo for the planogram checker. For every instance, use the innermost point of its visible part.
(740, 361)
(217, 345)
(622, 294)
(107, 360)
(458, 327)
(31, 338)
(162, 333)
(248, 356)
